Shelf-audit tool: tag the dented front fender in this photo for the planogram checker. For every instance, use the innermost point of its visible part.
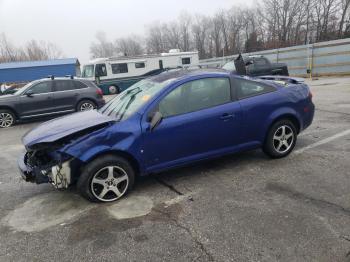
(118, 137)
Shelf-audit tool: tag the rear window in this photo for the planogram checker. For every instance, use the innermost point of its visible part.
(79, 85)
(246, 88)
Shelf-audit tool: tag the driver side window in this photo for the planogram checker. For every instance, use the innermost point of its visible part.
(196, 95)
(41, 88)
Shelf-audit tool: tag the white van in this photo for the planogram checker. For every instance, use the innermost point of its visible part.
(115, 74)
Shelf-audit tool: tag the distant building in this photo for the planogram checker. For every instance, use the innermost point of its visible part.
(26, 71)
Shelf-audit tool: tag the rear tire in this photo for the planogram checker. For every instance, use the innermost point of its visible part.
(113, 90)
(106, 179)
(7, 118)
(281, 139)
(85, 105)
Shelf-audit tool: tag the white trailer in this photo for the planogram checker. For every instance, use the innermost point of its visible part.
(116, 74)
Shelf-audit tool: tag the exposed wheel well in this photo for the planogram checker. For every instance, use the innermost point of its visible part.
(122, 154)
(289, 117)
(9, 109)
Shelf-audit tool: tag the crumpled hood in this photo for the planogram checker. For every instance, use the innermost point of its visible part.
(58, 128)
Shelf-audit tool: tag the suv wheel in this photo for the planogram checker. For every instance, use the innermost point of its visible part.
(7, 118)
(106, 179)
(86, 105)
(281, 139)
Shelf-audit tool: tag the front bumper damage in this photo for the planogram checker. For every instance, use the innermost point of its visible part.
(57, 171)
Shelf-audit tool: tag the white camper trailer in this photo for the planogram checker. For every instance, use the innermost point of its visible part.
(116, 74)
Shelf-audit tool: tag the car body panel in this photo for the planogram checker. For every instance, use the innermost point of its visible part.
(181, 139)
(64, 126)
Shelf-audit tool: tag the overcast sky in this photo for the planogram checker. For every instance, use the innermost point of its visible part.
(72, 24)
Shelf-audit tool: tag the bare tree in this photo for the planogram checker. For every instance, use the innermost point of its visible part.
(33, 50)
(8, 52)
(185, 20)
(216, 34)
(155, 42)
(171, 35)
(269, 24)
(200, 28)
(344, 13)
(102, 48)
(129, 46)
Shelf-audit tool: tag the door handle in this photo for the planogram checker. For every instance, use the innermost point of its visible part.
(226, 116)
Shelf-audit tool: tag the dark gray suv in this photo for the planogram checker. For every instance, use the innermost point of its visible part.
(49, 97)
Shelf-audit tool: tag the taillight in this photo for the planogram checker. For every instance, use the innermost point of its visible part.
(99, 91)
(310, 94)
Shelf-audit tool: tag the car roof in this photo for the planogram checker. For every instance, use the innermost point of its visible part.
(60, 78)
(179, 74)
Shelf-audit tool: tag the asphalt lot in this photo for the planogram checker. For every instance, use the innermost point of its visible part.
(242, 207)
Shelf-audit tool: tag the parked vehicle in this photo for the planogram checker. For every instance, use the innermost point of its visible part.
(115, 74)
(256, 66)
(10, 89)
(163, 122)
(49, 97)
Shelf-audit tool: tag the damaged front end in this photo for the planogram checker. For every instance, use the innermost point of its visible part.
(45, 165)
(44, 161)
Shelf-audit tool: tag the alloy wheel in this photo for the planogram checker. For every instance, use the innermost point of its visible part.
(6, 119)
(283, 139)
(86, 106)
(109, 183)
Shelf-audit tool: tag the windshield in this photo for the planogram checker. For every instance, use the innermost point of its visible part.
(22, 89)
(230, 66)
(129, 101)
(88, 71)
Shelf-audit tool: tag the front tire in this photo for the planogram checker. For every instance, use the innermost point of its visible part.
(281, 139)
(106, 179)
(7, 118)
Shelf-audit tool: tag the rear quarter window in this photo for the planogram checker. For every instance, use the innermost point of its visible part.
(79, 85)
(246, 88)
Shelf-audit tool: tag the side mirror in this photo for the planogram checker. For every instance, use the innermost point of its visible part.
(155, 120)
(29, 93)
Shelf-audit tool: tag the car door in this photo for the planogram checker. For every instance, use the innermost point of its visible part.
(258, 101)
(66, 95)
(37, 100)
(200, 119)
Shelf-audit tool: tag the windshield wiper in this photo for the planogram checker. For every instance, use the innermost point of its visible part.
(132, 98)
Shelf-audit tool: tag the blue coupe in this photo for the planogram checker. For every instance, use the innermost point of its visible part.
(163, 122)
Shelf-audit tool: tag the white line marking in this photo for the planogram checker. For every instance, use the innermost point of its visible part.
(323, 141)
